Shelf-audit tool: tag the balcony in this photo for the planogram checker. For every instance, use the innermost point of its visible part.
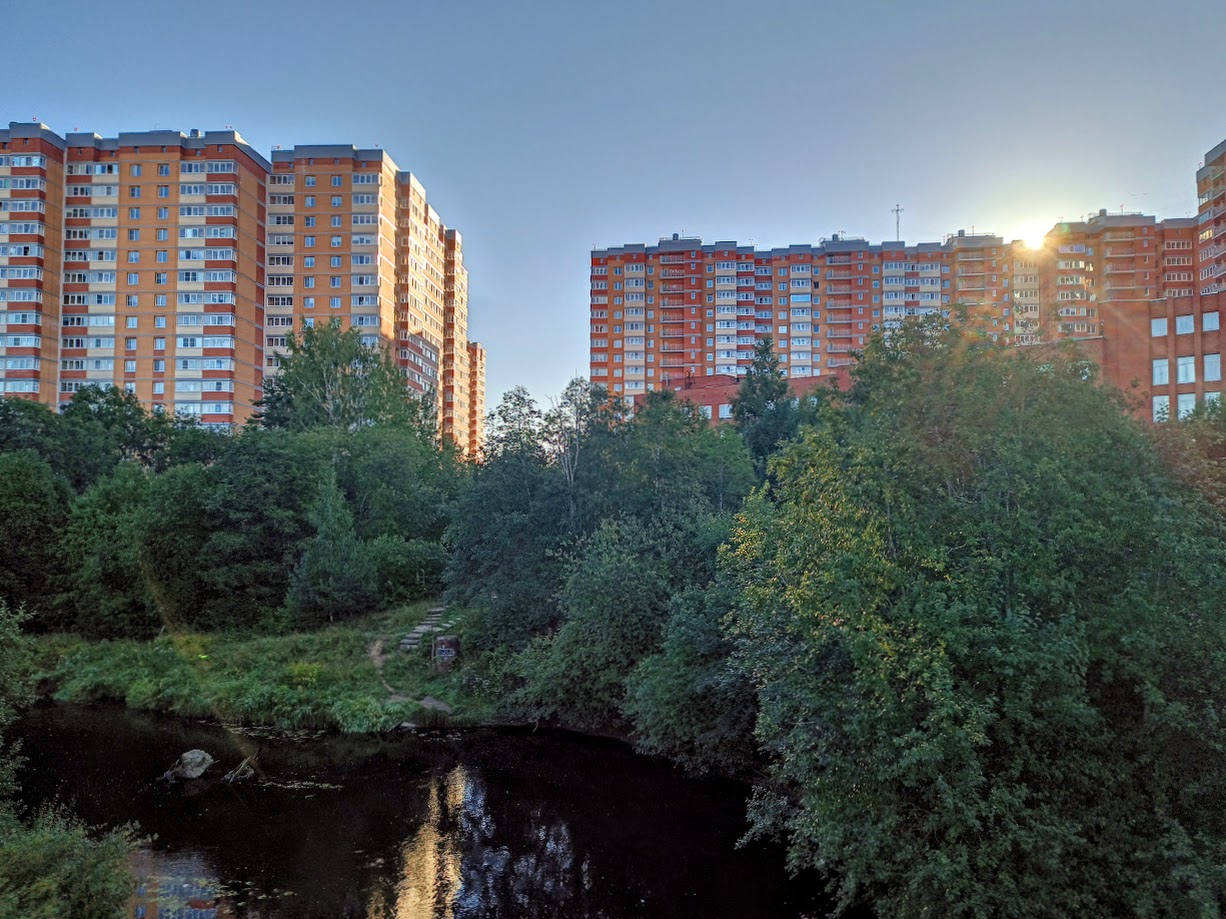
(673, 260)
(1119, 236)
(671, 273)
(1110, 252)
(832, 348)
(672, 335)
(672, 288)
(835, 291)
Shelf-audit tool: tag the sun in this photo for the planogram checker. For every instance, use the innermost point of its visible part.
(1032, 233)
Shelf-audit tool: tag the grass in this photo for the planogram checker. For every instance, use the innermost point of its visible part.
(324, 679)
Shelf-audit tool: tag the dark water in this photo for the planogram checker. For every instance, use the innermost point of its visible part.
(472, 824)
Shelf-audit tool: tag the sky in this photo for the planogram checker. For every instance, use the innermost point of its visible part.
(541, 130)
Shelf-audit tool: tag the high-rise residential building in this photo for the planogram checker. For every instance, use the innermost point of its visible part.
(163, 275)
(1139, 295)
(476, 402)
(177, 267)
(31, 255)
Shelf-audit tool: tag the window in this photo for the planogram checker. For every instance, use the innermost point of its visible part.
(336, 181)
(1209, 322)
(336, 200)
(308, 222)
(1157, 327)
(310, 200)
(163, 191)
(163, 213)
(1187, 404)
(336, 242)
(1213, 367)
(1185, 369)
(134, 213)
(129, 366)
(1162, 372)
(163, 234)
(131, 322)
(1162, 408)
(1184, 325)
(310, 181)
(163, 169)
(336, 261)
(133, 191)
(159, 322)
(308, 241)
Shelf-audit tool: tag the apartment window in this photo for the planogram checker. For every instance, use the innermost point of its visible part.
(334, 281)
(310, 201)
(334, 302)
(308, 222)
(310, 181)
(308, 281)
(163, 169)
(1161, 372)
(129, 366)
(159, 277)
(163, 234)
(308, 261)
(159, 322)
(336, 222)
(134, 169)
(308, 303)
(163, 213)
(133, 256)
(159, 388)
(1184, 325)
(129, 344)
(308, 241)
(131, 322)
(1209, 322)
(336, 242)
(133, 279)
(133, 236)
(133, 191)
(336, 181)
(1186, 404)
(1213, 368)
(1185, 369)
(131, 300)
(134, 213)
(1157, 327)
(163, 191)
(336, 261)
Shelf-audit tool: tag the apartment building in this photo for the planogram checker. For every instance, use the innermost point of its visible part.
(683, 309)
(178, 266)
(31, 255)
(1140, 295)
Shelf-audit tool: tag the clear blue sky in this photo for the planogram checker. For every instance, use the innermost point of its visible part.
(543, 129)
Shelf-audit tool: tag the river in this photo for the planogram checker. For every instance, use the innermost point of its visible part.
(478, 823)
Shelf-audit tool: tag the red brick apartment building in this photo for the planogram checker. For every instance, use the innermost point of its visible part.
(1140, 295)
(176, 266)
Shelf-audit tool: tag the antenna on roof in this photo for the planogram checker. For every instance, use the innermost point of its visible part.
(897, 209)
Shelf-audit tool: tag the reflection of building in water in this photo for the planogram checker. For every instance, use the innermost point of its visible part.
(181, 887)
(459, 863)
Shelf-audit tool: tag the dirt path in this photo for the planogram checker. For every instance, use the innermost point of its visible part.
(377, 658)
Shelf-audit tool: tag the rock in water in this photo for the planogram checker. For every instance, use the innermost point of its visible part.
(191, 765)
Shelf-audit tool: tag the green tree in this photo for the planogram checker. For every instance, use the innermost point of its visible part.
(616, 599)
(764, 412)
(330, 379)
(335, 576)
(33, 508)
(106, 592)
(985, 629)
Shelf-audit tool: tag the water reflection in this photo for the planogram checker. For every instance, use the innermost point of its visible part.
(461, 827)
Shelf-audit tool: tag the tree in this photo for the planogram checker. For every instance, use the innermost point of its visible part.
(106, 593)
(33, 508)
(985, 630)
(615, 598)
(331, 379)
(763, 410)
(334, 577)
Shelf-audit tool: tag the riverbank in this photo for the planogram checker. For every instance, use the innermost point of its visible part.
(351, 677)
